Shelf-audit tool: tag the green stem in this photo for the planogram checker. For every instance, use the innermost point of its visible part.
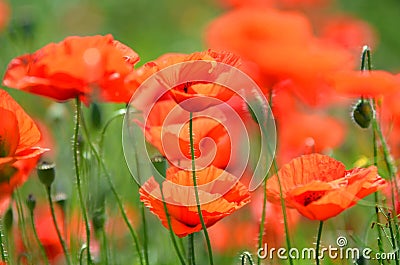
(171, 233)
(145, 238)
(282, 200)
(378, 229)
(104, 243)
(321, 223)
(53, 215)
(119, 113)
(191, 255)
(114, 191)
(78, 178)
(262, 222)
(21, 220)
(196, 192)
(42, 250)
(394, 245)
(4, 256)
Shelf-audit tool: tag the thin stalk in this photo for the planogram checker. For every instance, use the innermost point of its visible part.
(191, 255)
(119, 113)
(171, 233)
(282, 200)
(378, 229)
(42, 250)
(114, 192)
(21, 220)
(394, 245)
(53, 215)
(104, 243)
(196, 192)
(262, 222)
(4, 256)
(78, 178)
(145, 237)
(321, 223)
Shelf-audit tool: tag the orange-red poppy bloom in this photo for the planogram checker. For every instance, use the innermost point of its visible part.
(212, 143)
(18, 151)
(302, 133)
(256, 35)
(91, 67)
(185, 219)
(320, 187)
(201, 91)
(4, 14)
(365, 83)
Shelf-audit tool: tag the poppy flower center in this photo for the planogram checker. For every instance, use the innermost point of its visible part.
(308, 197)
(3, 147)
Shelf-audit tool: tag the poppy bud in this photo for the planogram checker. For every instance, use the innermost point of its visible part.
(8, 219)
(363, 113)
(46, 172)
(31, 202)
(98, 219)
(160, 164)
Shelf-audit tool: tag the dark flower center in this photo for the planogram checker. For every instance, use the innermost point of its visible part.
(308, 197)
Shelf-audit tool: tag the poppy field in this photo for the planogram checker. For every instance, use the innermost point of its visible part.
(199, 132)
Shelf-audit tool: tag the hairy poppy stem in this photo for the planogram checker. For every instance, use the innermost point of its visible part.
(4, 256)
(118, 113)
(60, 237)
(115, 193)
(191, 255)
(196, 190)
(283, 205)
(263, 213)
(78, 178)
(42, 250)
(378, 228)
(321, 223)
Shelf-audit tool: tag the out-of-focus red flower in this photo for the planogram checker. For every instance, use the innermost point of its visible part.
(365, 83)
(256, 35)
(348, 32)
(185, 219)
(320, 187)
(18, 151)
(202, 91)
(4, 14)
(301, 133)
(91, 68)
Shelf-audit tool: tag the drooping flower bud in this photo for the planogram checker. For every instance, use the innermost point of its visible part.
(363, 113)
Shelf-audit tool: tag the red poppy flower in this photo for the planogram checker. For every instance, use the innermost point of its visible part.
(201, 91)
(18, 153)
(365, 83)
(4, 14)
(313, 133)
(185, 219)
(212, 143)
(320, 187)
(256, 34)
(348, 32)
(91, 67)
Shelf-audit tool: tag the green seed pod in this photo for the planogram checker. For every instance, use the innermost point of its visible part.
(96, 115)
(31, 202)
(363, 114)
(46, 172)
